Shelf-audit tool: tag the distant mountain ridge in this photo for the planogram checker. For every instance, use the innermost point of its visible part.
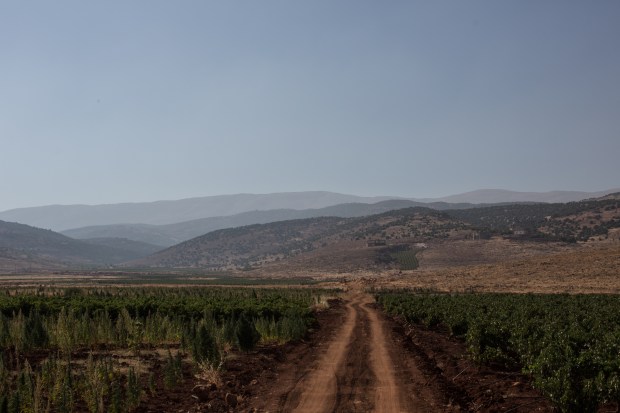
(65, 217)
(492, 196)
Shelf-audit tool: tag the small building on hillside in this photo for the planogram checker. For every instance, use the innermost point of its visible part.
(376, 242)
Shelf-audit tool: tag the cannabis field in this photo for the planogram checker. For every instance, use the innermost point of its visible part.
(568, 344)
(110, 349)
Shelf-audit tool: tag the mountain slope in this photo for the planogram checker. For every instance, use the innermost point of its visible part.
(572, 221)
(157, 235)
(130, 247)
(168, 235)
(265, 243)
(337, 239)
(14, 261)
(46, 245)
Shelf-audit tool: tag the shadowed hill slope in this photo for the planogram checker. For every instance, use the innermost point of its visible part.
(47, 246)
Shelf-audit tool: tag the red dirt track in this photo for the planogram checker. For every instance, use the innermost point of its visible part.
(366, 362)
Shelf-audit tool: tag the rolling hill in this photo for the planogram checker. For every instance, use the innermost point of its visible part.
(15, 261)
(313, 236)
(571, 222)
(171, 234)
(26, 245)
(337, 239)
(267, 243)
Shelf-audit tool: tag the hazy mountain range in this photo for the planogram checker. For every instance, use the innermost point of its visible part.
(65, 217)
(239, 240)
(493, 196)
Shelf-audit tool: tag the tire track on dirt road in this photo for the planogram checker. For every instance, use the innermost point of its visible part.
(388, 395)
(317, 390)
(355, 392)
(357, 372)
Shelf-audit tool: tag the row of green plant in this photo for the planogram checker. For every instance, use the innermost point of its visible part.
(54, 325)
(184, 302)
(407, 260)
(69, 330)
(568, 344)
(201, 279)
(60, 384)
(63, 383)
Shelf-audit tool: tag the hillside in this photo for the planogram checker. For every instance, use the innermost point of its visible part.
(274, 242)
(130, 247)
(15, 261)
(158, 235)
(168, 235)
(569, 222)
(30, 245)
(329, 242)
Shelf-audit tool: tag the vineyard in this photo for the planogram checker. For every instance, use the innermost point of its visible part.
(110, 349)
(407, 260)
(568, 344)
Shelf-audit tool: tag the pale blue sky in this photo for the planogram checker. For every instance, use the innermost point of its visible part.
(113, 101)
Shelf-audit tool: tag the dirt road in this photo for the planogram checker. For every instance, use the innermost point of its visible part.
(357, 359)
(360, 370)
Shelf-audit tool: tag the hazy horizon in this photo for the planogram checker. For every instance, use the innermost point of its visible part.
(116, 102)
(378, 196)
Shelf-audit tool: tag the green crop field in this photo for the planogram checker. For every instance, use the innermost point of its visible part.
(57, 344)
(568, 344)
(407, 260)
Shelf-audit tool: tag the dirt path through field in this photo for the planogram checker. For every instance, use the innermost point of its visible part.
(359, 371)
(388, 394)
(317, 391)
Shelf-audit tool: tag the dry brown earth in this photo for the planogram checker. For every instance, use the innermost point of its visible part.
(591, 268)
(371, 363)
